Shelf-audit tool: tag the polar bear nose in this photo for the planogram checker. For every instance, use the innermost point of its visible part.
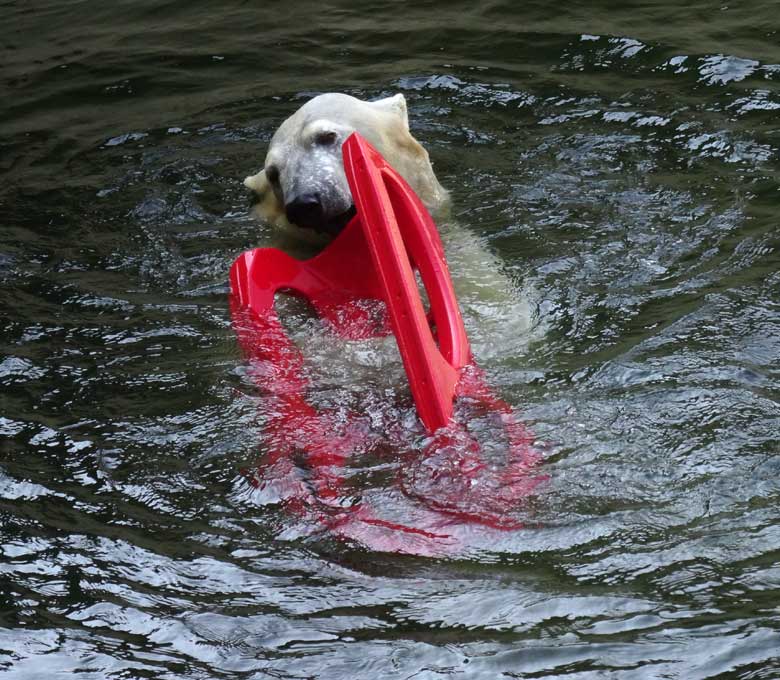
(305, 211)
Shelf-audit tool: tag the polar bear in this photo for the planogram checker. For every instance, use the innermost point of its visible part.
(302, 183)
(303, 189)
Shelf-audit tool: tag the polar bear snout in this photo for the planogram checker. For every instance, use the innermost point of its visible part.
(307, 211)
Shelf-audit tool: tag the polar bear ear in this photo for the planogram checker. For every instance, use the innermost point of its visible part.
(257, 183)
(395, 105)
(267, 205)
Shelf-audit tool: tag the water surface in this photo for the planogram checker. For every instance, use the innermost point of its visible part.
(622, 165)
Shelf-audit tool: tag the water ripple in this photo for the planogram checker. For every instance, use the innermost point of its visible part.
(616, 169)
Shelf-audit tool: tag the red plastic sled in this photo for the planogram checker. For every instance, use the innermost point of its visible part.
(363, 282)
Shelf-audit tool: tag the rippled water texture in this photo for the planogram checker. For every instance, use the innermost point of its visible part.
(620, 163)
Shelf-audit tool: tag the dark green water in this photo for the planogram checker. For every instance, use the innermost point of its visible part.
(621, 161)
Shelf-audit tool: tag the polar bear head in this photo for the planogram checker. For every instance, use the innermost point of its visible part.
(303, 182)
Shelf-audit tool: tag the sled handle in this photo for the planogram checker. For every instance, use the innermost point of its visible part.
(401, 234)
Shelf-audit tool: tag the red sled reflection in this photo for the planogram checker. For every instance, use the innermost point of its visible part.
(363, 285)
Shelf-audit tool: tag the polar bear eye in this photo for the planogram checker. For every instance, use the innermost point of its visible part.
(325, 138)
(272, 174)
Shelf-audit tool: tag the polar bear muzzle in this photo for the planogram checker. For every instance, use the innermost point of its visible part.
(307, 211)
